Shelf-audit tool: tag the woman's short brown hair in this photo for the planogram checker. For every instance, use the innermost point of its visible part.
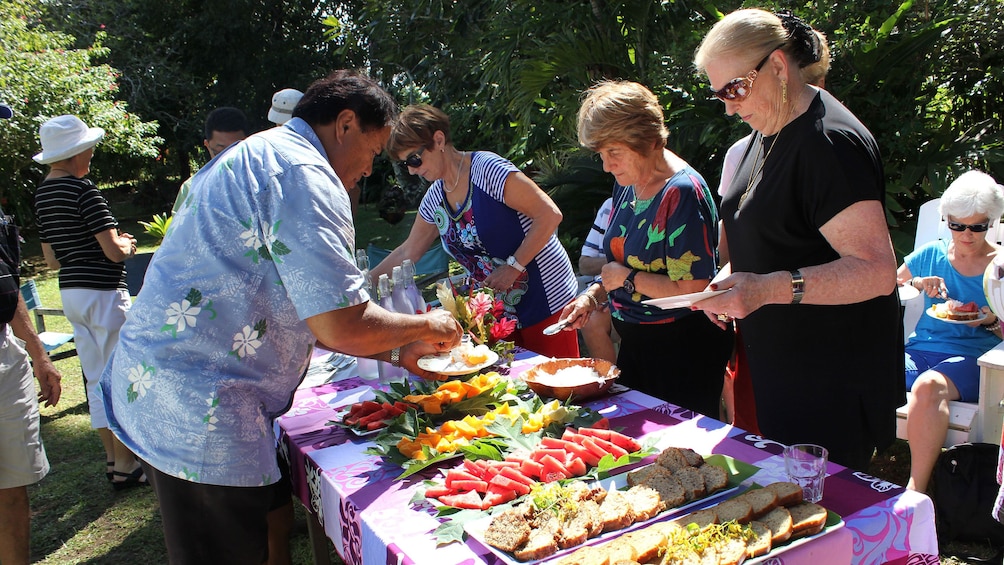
(416, 126)
(621, 112)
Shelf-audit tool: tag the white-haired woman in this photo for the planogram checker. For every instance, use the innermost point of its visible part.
(941, 357)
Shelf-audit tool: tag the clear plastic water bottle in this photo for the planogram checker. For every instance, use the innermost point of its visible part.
(363, 264)
(411, 289)
(368, 368)
(399, 294)
(388, 373)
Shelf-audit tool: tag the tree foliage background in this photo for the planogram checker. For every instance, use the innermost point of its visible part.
(924, 76)
(41, 76)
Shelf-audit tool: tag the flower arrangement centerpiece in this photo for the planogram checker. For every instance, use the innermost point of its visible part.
(481, 316)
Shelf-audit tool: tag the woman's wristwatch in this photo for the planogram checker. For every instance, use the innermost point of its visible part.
(628, 284)
(512, 262)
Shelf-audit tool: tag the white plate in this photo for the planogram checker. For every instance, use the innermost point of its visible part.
(682, 300)
(443, 364)
(930, 312)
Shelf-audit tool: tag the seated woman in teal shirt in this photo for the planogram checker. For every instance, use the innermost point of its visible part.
(941, 357)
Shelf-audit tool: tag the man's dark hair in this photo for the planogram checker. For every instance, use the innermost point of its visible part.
(226, 119)
(347, 90)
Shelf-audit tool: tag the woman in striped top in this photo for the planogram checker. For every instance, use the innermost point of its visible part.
(495, 221)
(80, 237)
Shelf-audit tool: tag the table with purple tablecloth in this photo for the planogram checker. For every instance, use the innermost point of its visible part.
(366, 512)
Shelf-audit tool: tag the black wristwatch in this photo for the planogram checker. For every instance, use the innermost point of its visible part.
(628, 285)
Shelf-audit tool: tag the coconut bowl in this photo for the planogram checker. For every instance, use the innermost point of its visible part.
(607, 371)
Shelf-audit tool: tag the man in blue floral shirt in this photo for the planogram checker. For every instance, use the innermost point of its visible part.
(258, 264)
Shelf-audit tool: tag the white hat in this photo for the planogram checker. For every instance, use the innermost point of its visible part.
(283, 103)
(65, 136)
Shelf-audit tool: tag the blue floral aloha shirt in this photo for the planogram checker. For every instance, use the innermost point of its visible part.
(216, 341)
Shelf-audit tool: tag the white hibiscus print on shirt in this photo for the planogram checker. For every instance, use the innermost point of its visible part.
(140, 381)
(248, 340)
(182, 315)
(265, 247)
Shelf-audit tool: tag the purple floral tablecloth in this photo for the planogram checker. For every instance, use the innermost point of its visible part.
(366, 513)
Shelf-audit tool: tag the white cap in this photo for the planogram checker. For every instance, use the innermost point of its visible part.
(283, 103)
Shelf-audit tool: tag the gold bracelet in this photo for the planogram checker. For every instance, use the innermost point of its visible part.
(596, 303)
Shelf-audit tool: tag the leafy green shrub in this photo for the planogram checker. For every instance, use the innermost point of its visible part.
(158, 226)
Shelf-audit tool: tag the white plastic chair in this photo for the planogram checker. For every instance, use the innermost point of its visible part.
(932, 226)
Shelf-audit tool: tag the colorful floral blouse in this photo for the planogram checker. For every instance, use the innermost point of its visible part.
(674, 233)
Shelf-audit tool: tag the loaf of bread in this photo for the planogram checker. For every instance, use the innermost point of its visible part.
(761, 500)
(508, 531)
(672, 458)
(807, 519)
(645, 502)
(787, 493)
(692, 481)
(734, 509)
(760, 543)
(779, 522)
(715, 478)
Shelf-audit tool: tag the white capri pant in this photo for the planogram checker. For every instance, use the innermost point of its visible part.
(96, 317)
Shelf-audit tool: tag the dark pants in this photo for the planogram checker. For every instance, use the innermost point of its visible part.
(682, 362)
(210, 523)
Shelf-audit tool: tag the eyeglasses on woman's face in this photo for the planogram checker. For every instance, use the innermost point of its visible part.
(414, 160)
(975, 228)
(739, 89)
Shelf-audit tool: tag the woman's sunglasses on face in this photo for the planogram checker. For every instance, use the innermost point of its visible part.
(739, 89)
(414, 160)
(975, 228)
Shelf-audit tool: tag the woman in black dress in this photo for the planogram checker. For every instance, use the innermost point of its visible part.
(812, 269)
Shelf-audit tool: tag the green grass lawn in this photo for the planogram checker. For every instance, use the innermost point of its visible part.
(78, 518)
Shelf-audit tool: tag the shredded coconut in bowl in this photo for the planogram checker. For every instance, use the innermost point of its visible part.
(570, 376)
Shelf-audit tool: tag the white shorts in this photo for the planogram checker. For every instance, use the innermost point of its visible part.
(96, 317)
(22, 457)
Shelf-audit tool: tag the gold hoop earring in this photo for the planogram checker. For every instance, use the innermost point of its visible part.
(784, 92)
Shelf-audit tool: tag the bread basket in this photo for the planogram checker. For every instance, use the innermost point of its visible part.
(607, 371)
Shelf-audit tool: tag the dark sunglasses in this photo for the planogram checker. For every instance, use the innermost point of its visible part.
(975, 228)
(739, 89)
(414, 160)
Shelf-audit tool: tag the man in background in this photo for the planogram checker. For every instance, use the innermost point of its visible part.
(22, 456)
(598, 332)
(224, 127)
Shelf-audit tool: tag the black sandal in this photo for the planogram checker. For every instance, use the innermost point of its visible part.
(109, 470)
(135, 479)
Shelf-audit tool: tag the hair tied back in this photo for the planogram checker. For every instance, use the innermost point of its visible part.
(804, 39)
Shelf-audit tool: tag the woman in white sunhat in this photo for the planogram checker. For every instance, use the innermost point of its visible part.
(80, 237)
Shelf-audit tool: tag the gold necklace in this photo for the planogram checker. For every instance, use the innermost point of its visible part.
(754, 171)
(637, 198)
(460, 167)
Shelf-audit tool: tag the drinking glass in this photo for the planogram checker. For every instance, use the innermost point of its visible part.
(806, 465)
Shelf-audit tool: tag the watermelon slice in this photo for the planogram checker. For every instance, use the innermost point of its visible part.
(510, 485)
(517, 475)
(479, 486)
(628, 443)
(553, 470)
(437, 491)
(594, 432)
(576, 466)
(467, 500)
(497, 495)
(532, 469)
(459, 475)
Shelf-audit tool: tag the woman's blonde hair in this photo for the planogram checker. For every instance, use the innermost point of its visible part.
(416, 126)
(751, 33)
(621, 112)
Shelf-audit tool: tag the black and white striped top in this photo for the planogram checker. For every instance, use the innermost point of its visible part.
(70, 212)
